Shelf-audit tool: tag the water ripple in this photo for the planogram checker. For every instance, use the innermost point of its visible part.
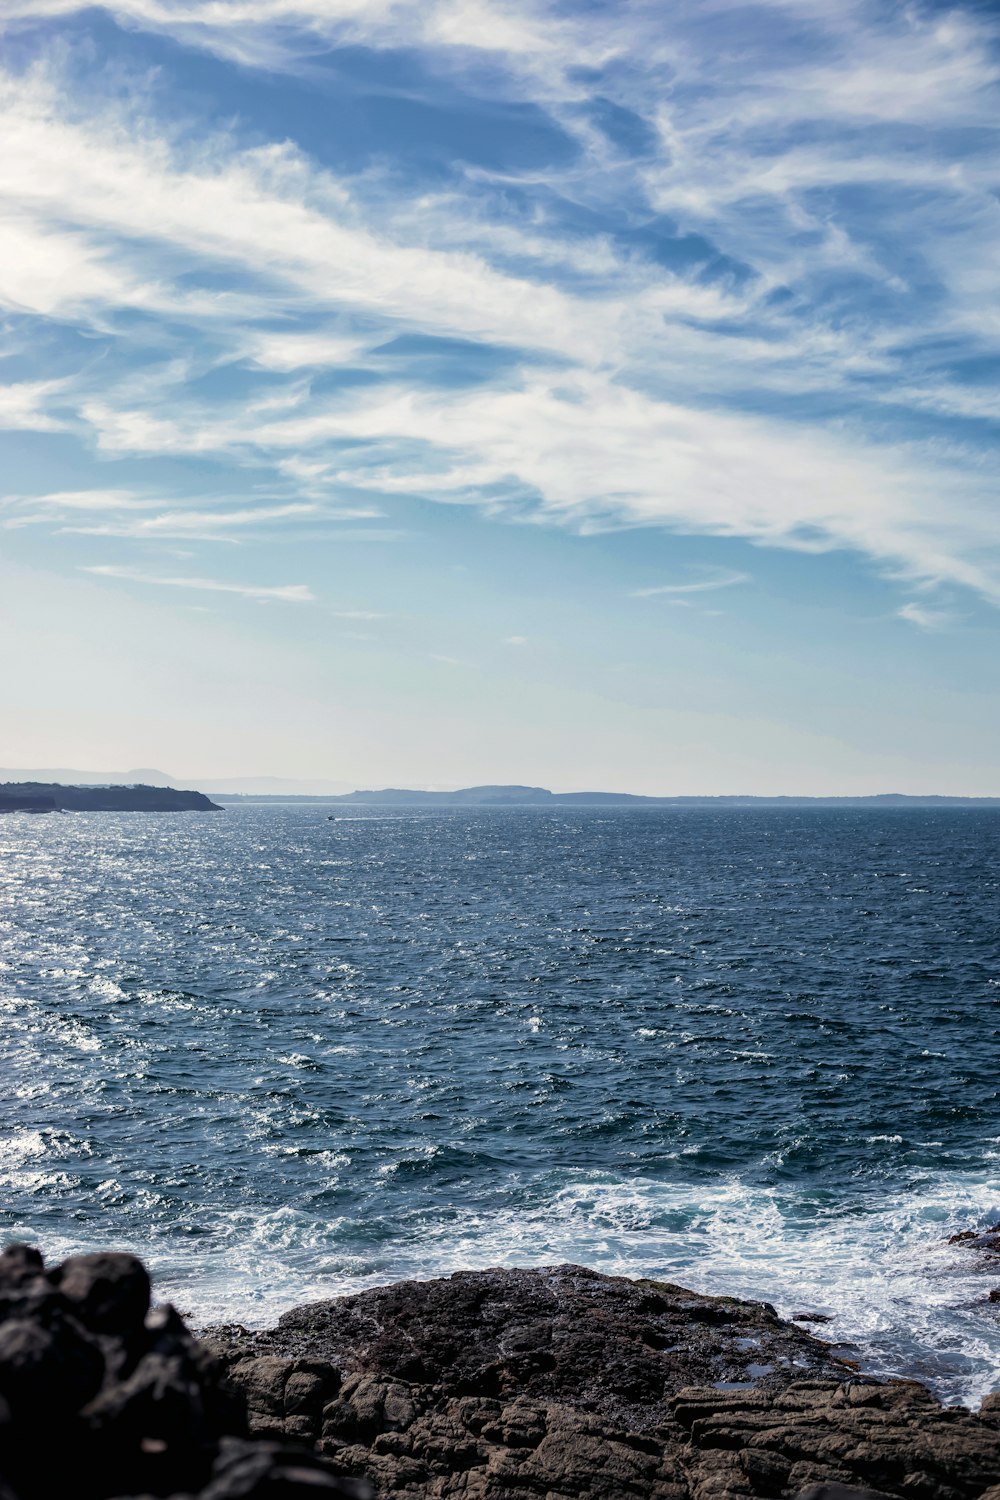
(285, 1056)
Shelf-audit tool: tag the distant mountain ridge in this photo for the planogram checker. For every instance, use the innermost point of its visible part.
(537, 796)
(275, 789)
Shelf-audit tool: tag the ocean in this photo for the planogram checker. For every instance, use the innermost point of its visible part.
(284, 1056)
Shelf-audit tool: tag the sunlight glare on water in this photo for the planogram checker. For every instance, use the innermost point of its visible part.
(285, 1057)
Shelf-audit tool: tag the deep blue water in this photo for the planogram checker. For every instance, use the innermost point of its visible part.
(284, 1056)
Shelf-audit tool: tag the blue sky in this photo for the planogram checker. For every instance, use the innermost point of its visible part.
(575, 393)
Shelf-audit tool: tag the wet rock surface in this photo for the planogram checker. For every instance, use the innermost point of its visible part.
(563, 1384)
(984, 1244)
(101, 1397)
(987, 1241)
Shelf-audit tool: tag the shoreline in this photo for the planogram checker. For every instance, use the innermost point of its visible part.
(942, 1329)
(505, 1382)
(554, 1383)
(957, 1359)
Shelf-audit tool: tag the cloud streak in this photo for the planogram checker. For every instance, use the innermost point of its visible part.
(288, 593)
(721, 580)
(924, 618)
(206, 525)
(744, 308)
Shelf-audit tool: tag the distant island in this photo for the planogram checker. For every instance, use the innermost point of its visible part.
(49, 797)
(538, 796)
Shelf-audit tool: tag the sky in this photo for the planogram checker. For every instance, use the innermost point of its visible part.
(594, 395)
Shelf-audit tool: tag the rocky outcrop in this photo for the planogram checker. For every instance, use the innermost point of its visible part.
(101, 1397)
(563, 1384)
(893, 1439)
(985, 1245)
(552, 1384)
(40, 796)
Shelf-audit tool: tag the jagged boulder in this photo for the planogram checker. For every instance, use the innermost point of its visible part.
(101, 1397)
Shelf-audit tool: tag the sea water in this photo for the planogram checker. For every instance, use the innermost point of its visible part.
(285, 1056)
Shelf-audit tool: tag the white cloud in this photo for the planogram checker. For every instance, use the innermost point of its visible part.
(720, 580)
(926, 619)
(626, 408)
(263, 211)
(531, 38)
(82, 500)
(204, 524)
(289, 593)
(37, 510)
(297, 351)
(596, 454)
(515, 640)
(127, 513)
(26, 405)
(761, 154)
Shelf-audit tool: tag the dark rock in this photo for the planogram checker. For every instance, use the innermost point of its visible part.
(19, 1261)
(109, 1293)
(55, 1367)
(553, 1384)
(986, 1240)
(837, 1492)
(562, 1384)
(618, 1345)
(23, 1283)
(268, 1471)
(812, 1318)
(262, 1381)
(100, 1398)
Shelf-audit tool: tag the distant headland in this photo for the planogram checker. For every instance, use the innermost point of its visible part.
(538, 796)
(49, 797)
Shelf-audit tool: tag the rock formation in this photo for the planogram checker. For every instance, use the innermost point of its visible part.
(101, 1398)
(563, 1384)
(552, 1384)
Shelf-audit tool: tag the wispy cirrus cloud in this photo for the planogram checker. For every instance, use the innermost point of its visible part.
(202, 524)
(924, 617)
(288, 593)
(44, 509)
(265, 211)
(764, 264)
(131, 514)
(28, 405)
(722, 579)
(284, 33)
(589, 452)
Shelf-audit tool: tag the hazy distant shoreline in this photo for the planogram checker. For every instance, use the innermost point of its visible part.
(278, 789)
(52, 797)
(535, 797)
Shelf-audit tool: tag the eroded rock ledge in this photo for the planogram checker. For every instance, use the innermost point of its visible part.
(563, 1384)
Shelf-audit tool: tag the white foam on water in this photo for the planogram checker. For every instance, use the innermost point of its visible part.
(881, 1270)
(20, 1146)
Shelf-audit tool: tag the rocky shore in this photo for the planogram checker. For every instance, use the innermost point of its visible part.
(562, 1383)
(101, 1397)
(549, 1384)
